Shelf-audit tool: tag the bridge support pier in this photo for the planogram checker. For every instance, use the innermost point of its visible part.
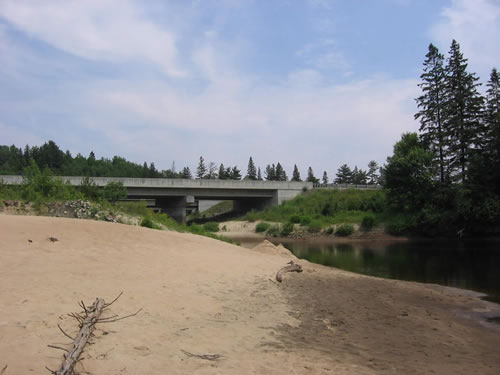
(175, 207)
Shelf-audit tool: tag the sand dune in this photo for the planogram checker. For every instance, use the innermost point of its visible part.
(208, 297)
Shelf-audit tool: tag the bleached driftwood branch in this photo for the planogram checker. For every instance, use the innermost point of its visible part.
(292, 267)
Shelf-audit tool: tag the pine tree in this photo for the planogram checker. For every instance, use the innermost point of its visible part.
(259, 175)
(186, 173)
(432, 107)
(492, 116)
(251, 170)
(296, 174)
(270, 173)
(463, 112)
(311, 177)
(490, 162)
(325, 178)
(358, 176)
(222, 172)
(280, 173)
(344, 175)
(372, 176)
(202, 169)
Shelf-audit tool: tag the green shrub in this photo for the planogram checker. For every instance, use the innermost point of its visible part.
(146, 222)
(89, 188)
(274, 230)
(367, 222)
(314, 226)
(287, 229)
(114, 191)
(344, 230)
(305, 220)
(329, 230)
(295, 219)
(262, 227)
(251, 216)
(211, 226)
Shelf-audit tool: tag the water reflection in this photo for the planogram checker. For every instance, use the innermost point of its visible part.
(468, 265)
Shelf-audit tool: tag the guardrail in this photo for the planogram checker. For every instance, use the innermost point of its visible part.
(347, 186)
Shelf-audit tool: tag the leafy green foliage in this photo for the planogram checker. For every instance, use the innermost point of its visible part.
(287, 229)
(314, 226)
(114, 191)
(344, 230)
(147, 222)
(262, 227)
(367, 222)
(211, 226)
(274, 230)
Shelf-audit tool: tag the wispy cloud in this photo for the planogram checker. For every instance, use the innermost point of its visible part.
(476, 26)
(109, 30)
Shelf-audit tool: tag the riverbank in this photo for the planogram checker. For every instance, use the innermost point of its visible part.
(245, 231)
(204, 296)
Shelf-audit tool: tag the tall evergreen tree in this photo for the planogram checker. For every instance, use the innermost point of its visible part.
(325, 178)
(280, 173)
(270, 173)
(202, 169)
(463, 112)
(492, 116)
(431, 106)
(311, 177)
(251, 170)
(186, 173)
(344, 175)
(259, 175)
(296, 173)
(372, 175)
(222, 172)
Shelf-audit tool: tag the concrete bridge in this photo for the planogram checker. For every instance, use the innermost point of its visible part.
(175, 196)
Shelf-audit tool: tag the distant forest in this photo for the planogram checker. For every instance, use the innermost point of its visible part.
(13, 161)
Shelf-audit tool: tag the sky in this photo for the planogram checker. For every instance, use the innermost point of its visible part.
(315, 83)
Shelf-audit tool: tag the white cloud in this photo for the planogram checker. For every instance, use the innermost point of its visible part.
(476, 26)
(109, 30)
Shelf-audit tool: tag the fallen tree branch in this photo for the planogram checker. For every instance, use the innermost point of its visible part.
(87, 320)
(292, 267)
(86, 328)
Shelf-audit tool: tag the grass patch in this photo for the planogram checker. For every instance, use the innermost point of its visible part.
(211, 226)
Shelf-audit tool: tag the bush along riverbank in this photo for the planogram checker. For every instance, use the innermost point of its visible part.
(340, 213)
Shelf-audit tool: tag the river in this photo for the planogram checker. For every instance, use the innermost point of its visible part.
(473, 265)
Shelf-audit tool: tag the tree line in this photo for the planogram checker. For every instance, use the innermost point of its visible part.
(447, 176)
(14, 160)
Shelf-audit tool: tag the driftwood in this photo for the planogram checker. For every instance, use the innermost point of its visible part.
(292, 267)
(87, 326)
(87, 321)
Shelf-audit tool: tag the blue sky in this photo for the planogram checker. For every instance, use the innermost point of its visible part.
(313, 82)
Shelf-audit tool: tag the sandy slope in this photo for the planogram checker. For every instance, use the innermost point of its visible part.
(208, 297)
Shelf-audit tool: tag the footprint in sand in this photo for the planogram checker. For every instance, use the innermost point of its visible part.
(142, 350)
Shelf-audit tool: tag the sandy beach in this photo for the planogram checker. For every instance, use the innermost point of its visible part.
(203, 296)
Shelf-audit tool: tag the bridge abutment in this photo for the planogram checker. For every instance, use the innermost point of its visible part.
(175, 207)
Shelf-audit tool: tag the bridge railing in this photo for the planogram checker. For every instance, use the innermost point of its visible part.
(347, 186)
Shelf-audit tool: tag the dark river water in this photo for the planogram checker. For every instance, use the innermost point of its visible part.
(463, 264)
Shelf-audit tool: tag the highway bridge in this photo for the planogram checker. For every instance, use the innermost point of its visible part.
(176, 196)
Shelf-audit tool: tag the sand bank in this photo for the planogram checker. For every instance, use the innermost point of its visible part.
(208, 297)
